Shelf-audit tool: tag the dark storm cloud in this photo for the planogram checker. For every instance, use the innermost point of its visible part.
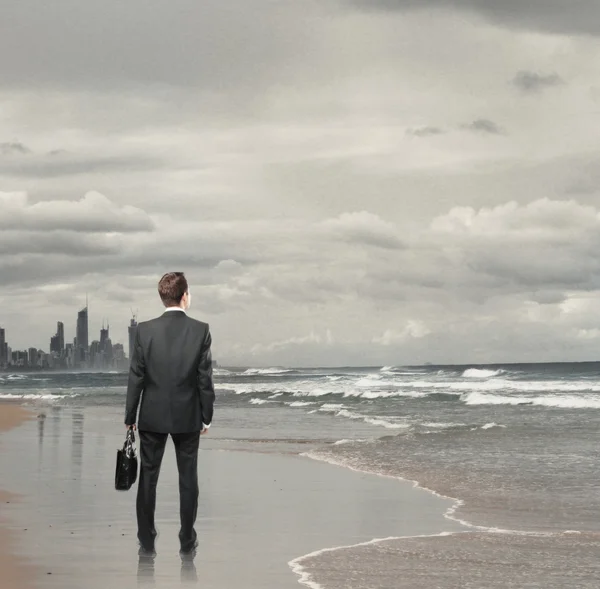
(532, 82)
(483, 126)
(552, 16)
(10, 148)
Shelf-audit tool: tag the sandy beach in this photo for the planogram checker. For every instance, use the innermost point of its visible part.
(16, 573)
(260, 511)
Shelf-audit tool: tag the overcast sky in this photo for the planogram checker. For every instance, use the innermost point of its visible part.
(343, 181)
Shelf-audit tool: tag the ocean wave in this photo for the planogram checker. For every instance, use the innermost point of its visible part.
(258, 401)
(481, 373)
(372, 420)
(442, 425)
(32, 396)
(301, 403)
(266, 371)
(349, 441)
(331, 407)
(491, 425)
(556, 401)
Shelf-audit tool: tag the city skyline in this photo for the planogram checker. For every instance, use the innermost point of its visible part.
(79, 353)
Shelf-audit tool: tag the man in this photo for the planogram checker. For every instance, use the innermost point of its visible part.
(171, 371)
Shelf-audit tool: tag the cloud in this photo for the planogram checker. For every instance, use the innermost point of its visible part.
(311, 338)
(93, 213)
(484, 126)
(58, 165)
(105, 46)
(532, 82)
(548, 244)
(553, 16)
(414, 329)
(64, 243)
(425, 131)
(10, 148)
(364, 228)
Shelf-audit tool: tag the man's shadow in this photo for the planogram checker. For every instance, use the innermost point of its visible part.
(145, 571)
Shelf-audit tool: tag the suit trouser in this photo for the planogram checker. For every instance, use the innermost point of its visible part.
(152, 448)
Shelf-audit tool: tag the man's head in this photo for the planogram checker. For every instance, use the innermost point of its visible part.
(174, 291)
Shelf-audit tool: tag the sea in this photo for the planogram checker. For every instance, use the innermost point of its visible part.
(516, 445)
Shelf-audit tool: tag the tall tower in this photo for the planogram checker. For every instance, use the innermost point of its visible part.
(132, 328)
(3, 354)
(60, 334)
(103, 336)
(82, 334)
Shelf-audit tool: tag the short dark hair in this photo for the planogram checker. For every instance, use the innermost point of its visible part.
(171, 288)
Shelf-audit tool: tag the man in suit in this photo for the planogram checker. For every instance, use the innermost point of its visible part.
(171, 372)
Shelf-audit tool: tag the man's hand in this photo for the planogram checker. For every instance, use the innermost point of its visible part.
(203, 431)
(130, 427)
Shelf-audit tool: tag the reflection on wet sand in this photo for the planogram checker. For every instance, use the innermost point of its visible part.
(76, 445)
(145, 570)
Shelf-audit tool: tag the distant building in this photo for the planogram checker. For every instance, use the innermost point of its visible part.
(119, 360)
(3, 348)
(57, 341)
(32, 357)
(132, 329)
(82, 347)
(60, 333)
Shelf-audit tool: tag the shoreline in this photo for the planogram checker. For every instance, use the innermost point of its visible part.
(16, 573)
(310, 499)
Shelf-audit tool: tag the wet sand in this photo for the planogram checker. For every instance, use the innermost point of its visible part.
(15, 573)
(469, 560)
(259, 511)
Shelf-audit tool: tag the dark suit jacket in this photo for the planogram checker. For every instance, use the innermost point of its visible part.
(171, 370)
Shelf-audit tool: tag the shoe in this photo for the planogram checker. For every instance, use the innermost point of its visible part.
(189, 550)
(146, 551)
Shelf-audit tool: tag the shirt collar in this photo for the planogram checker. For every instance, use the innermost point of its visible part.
(174, 309)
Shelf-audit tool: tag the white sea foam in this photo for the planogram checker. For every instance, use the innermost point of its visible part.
(373, 420)
(258, 401)
(481, 373)
(331, 407)
(305, 577)
(265, 371)
(32, 396)
(558, 401)
(442, 425)
(491, 425)
(301, 403)
(385, 423)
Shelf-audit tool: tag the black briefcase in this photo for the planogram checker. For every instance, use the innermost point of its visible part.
(127, 464)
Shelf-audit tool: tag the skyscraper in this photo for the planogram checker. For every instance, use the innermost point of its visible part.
(3, 346)
(60, 332)
(82, 335)
(131, 329)
(57, 341)
(105, 348)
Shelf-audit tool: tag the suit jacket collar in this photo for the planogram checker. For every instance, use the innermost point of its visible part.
(176, 312)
